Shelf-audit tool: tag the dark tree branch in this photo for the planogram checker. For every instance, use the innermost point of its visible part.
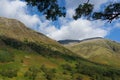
(114, 16)
(110, 17)
(52, 10)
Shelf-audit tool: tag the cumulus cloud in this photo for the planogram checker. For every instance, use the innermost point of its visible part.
(18, 10)
(79, 29)
(69, 28)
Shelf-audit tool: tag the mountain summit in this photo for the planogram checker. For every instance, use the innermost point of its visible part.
(14, 29)
(98, 50)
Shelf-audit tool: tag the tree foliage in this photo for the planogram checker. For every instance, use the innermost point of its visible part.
(52, 10)
(111, 12)
(83, 10)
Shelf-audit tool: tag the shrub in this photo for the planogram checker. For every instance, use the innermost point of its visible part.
(49, 73)
(9, 72)
(6, 56)
(67, 67)
(32, 73)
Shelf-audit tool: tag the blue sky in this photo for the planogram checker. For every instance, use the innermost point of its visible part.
(114, 34)
(64, 28)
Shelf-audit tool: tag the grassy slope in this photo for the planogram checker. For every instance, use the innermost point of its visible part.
(27, 55)
(98, 50)
(27, 60)
(16, 30)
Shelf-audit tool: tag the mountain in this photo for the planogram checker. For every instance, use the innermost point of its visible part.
(14, 29)
(29, 55)
(98, 50)
(68, 41)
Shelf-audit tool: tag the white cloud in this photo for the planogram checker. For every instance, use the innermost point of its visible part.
(18, 10)
(79, 29)
(70, 29)
(70, 13)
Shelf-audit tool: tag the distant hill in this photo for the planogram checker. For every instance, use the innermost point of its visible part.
(99, 50)
(29, 55)
(68, 41)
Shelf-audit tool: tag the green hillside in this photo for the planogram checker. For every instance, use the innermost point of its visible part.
(98, 50)
(40, 58)
(12, 28)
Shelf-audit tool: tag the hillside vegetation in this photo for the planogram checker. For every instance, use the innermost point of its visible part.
(98, 50)
(12, 28)
(27, 59)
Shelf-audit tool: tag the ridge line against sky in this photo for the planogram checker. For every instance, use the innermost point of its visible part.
(64, 28)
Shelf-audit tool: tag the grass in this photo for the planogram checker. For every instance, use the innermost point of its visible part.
(36, 57)
(52, 62)
(14, 29)
(24, 60)
(101, 51)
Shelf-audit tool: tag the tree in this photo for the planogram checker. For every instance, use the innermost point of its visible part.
(49, 8)
(83, 10)
(52, 10)
(111, 12)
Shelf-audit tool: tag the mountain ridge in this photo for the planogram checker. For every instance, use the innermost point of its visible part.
(13, 28)
(98, 50)
(70, 41)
